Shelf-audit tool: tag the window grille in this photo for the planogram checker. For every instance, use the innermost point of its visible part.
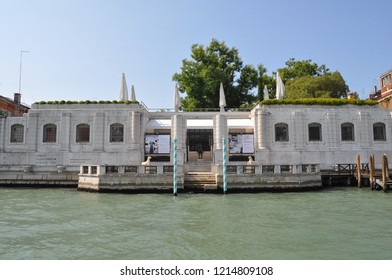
(281, 132)
(50, 133)
(83, 133)
(17, 133)
(314, 132)
(379, 132)
(117, 132)
(347, 130)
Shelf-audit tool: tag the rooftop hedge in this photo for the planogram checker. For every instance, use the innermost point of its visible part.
(86, 102)
(319, 101)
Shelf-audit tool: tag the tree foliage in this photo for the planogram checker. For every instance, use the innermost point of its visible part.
(330, 85)
(305, 79)
(300, 68)
(265, 80)
(200, 77)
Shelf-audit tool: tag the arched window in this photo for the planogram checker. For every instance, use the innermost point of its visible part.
(314, 130)
(117, 132)
(49, 133)
(347, 131)
(281, 132)
(83, 132)
(17, 133)
(379, 132)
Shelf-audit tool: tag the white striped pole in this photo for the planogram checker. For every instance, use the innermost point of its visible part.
(175, 166)
(224, 166)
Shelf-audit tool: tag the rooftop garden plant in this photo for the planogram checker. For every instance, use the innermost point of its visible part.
(319, 101)
(56, 102)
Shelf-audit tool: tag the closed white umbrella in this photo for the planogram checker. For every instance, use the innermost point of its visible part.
(133, 96)
(177, 100)
(123, 88)
(266, 94)
(279, 86)
(222, 99)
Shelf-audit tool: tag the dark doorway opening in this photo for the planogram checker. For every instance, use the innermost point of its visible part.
(199, 140)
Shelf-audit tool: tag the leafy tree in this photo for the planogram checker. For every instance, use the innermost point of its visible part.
(200, 77)
(305, 79)
(265, 80)
(330, 85)
(299, 68)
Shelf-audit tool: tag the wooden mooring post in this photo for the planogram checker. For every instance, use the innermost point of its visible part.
(384, 172)
(359, 171)
(371, 172)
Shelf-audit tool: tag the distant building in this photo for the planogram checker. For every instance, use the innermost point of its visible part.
(12, 107)
(383, 96)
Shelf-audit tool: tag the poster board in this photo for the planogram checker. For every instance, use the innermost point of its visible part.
(241, 144)
(157, 144)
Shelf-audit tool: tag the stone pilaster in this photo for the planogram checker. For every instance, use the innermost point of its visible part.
(364, 128)
(261, 130)
(135, 127)
(31, 133)
(98, 131)
(65, 131)
(298, 130)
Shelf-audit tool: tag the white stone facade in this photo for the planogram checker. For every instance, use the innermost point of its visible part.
(61, 138)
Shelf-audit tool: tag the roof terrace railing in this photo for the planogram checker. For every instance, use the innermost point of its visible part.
(198, 109)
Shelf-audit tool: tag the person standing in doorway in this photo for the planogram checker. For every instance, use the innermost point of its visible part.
(200, 151)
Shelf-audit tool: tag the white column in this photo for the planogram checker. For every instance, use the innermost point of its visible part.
(220, 130)
(178, 129)
(262, 131)
(135, 127)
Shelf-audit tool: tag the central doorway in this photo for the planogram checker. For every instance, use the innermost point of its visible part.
(199, 144)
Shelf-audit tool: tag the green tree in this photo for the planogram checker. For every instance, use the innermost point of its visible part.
(265, 80)
(299, 68)
(305, 79)
(200, 77)
(331, 85)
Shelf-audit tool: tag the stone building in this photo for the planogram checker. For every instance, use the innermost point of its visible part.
(384, 94)
(62, 140)
(12, 107)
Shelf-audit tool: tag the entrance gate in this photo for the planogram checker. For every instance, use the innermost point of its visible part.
(199, 144)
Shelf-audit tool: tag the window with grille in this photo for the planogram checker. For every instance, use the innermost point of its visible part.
(17, 133)
(314, 132)
(50, 133)
(347, 130)
(117, 132)
(281, 132)
(83, 133)
(379, 132)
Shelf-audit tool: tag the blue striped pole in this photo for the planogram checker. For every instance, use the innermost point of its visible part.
(224, 166)
(175, 166)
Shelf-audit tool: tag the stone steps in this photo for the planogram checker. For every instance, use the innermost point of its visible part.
(203, 180)
(199, 167)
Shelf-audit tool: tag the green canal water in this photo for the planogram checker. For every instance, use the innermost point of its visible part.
(337, 223)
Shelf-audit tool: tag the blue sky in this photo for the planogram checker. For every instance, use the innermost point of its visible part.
(78, 49)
